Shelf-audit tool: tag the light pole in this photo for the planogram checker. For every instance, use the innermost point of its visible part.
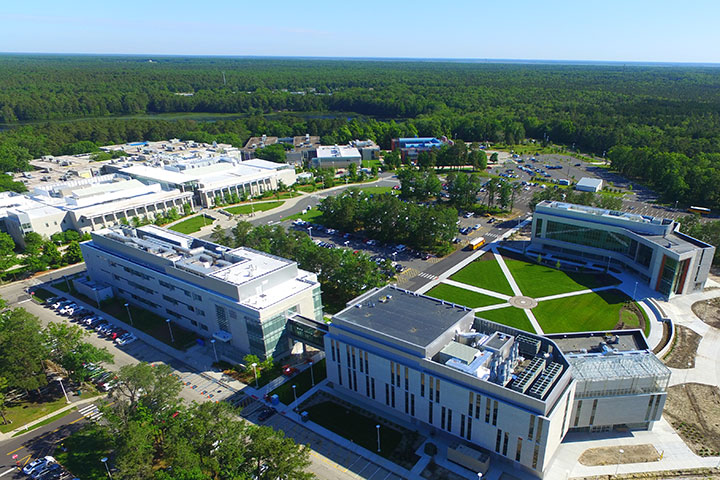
(312, 375)
(295, 395)
(377, 427)
(59, 379)
(172, 338)
(97, 297)
(67, 283)
(635, 291)
(104, 461)
(127, 307)
(310, 231)
(212, 341)
(617, 467)
(254, 365)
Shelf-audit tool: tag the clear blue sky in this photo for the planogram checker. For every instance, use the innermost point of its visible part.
(614, 30)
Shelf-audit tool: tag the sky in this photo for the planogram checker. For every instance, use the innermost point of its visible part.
(577, 30)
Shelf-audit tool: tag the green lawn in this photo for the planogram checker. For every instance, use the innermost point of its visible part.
(461, 296)
(40, 295)
(255, 207)
(307, 188)
(539, 280)
(510, 316)
(484, 274)
(150, 323)
(192, 224)
(302, 382)
(85, 448)
(27, 411)
(354, 426)
(377, 190)
(45, 422)
(588, 312)
(314, 216)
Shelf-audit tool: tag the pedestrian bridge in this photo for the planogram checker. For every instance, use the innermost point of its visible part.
(308, 331)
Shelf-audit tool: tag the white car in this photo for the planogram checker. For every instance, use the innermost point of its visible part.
(126, 339)
(38, 464)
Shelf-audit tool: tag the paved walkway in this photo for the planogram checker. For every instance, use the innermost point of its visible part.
(506, 271)
(578, 292)
(476, 289)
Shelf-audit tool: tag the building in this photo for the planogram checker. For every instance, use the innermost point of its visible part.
(367, 148)
(651, 248)
(619, 381)
(240, 297)
(303, 147)
(412, 146)
(502, 391)
(433, 363)
(587, 184)
(337, 156)
(86, 204)
(217, 176)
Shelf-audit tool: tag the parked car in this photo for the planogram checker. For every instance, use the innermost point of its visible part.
(48, 471)
(125, 339)
(38, 464)
(266, 413)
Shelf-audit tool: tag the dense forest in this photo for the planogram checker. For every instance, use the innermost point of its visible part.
(667, 116)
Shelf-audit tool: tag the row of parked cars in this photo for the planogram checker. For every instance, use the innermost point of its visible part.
(46, 468)
(90, 320)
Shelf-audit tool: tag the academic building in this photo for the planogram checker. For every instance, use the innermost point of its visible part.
(651, 248)
(240, 297)
(505, 392)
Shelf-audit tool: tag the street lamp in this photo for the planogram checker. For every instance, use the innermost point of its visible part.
(172, 338)
(67, 283)
(127, 307)
(254, 365)
(104, 461)
(212, 341)
(312, 375)
(97, 297)
(617, 467)
(377, 427)
(59, 379)
(295, 395)
(635, 291)
(310, 231)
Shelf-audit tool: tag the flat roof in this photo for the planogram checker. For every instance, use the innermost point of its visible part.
(584, 342)
(590, 182)
(337, 151)
(407, 316)
(602, 212)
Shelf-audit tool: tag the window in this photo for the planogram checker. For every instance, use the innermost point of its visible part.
(487, 410)
(538, 435)
(406, 378)
(567, 407)
(360, 353)
(392, 373)
(332, 349)
(469, 428)
(478, 405)
(462, 424)
(536, 452)
(339, 375)
(442, 418)
(412, 404)
(437, 390)
(531, 428)
(422, 384)
(407, 402)
(372, 387)
(221, 318)
(367, 386)
(387, 394)
(495, 411)
(538, 227)
(367, 370)
(577, 414)
(203, 326)
(505, 443)
(592, 412)
(355, 380)
(518, 449)
(392, 396)
(430, 412)
(193, 323)
(497, 440)
(470, 404)
(353, 357)
(449, 420)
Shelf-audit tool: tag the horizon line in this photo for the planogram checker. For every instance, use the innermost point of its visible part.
(386, 59)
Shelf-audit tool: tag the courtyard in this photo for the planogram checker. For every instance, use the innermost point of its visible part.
(506, 288)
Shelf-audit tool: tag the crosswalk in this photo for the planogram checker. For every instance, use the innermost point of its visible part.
(91, 412)
(427, 275)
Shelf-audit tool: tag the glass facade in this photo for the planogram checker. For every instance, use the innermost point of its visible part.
(590, 237)
(669, 276)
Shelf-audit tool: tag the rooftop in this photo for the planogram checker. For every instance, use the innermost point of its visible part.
(590, 182)
(404, 315)
(589, 342)
(601, 212)
(338, 151)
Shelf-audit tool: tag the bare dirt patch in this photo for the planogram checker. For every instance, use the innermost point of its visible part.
(611, 455)
(682, 354)
(708, 311)
(694, 412)
(436, 472)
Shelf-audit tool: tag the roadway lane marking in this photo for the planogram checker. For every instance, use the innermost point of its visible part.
(19, 448)
(8, 471)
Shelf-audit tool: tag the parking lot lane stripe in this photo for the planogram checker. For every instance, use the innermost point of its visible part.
(7, 471)
(19, 448)
(77, 420)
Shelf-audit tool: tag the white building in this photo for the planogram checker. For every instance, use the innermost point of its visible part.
(587, 184)
(337, 156)
(503, 391)
(210, 177)
(240, 297)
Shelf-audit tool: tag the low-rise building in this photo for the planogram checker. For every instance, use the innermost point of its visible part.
(587, 184)
(337, 156)
(240, 297)
(410, 147)
(651, 248)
